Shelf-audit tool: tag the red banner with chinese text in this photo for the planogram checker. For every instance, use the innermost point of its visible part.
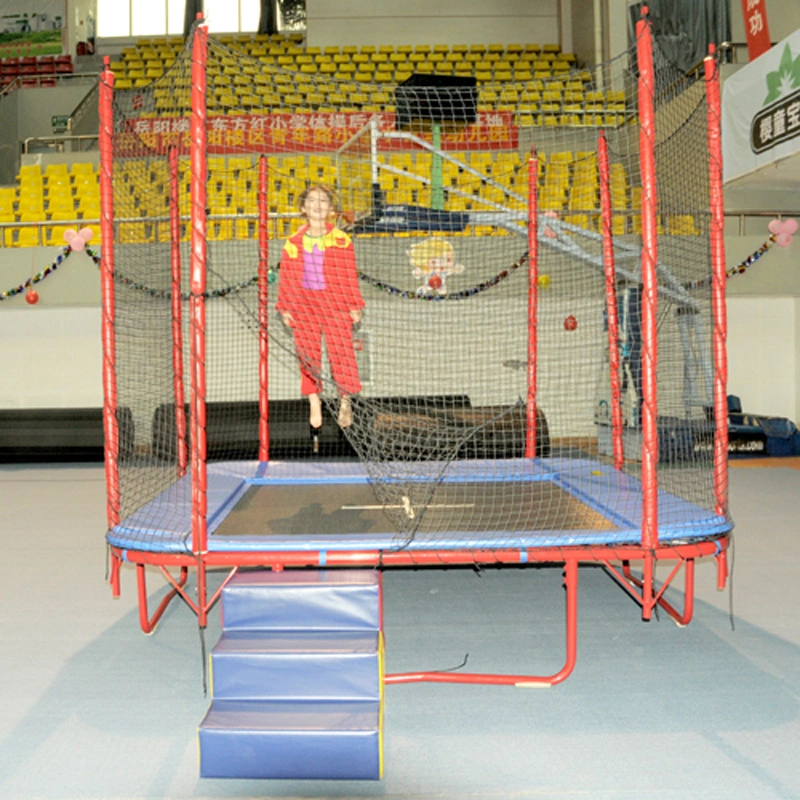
(303, 133)
(756, 27)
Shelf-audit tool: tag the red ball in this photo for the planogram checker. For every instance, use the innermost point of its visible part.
(570, 323)
(435, 281)
(32, 297)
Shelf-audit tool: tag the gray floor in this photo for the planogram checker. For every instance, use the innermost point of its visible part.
(92, 708)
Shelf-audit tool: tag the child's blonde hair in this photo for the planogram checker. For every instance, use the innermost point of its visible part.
(420, 254)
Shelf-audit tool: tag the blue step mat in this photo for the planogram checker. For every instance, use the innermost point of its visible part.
(297, 678)
(303, 600)
(296, 665)
(291, 740)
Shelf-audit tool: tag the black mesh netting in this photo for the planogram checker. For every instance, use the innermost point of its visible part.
(431, 201)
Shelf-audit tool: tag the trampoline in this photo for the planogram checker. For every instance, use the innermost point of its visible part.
(285, 507)
(560, 409)
(320, 515)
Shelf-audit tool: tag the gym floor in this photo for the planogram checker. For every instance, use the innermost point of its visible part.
(92, 708)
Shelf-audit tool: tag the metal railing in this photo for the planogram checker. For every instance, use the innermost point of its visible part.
(47, 80)
(736, 52)
(61, 143)
(737, 218)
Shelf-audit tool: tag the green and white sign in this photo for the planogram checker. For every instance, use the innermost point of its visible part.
(60, 123)
(761, 110)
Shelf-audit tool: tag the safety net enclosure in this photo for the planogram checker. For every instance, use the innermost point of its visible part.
(519, 288)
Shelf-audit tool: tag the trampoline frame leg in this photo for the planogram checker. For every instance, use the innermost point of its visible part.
(650, 600)
(146, 622)
(520, 681)
(200, 607)
(113, 578)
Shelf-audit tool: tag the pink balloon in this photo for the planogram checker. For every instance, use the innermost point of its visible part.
(548, 231)
(77, 244)
(790, 226)
(86, 234)
(69, 235)
(783, 239)
(775, 226)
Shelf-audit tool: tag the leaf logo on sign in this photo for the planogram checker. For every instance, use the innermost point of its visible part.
(779, 119)
(783, 79)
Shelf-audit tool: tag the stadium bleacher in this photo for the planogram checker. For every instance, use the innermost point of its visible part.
(539, 84)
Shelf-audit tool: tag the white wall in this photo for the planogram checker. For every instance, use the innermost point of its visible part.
(439, 22)
(763, 337)
(50, 355)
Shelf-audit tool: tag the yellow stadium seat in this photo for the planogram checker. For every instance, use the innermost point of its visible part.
(54, 235)
(27, 237)
(61, 202)
(29, 172)
(682, 225)
(8, 198)
(8, 233)
(52, 170)
(31, 205)
(135, 233)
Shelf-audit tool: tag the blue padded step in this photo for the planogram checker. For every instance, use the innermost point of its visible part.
(293, 665)
(297, 678)
(291, 740)
(302, 600)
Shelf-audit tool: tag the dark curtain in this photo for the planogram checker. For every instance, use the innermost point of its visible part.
(268, 21)
(193, 8)
(685, 28)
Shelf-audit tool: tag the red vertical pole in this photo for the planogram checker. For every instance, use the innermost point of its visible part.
(263, 309)
(718, 303)
(647, 134)
(177, 312)
(106, 180)
(533, 300)
(611, 301)
(197, 311)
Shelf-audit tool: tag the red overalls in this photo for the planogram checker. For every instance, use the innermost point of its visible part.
(318, 312)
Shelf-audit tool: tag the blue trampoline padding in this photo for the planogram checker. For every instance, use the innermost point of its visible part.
(291, 740)
(611, 493)
(294, 665)
(332, 600)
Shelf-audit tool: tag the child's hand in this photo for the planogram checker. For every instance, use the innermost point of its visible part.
(288, 319)
(355, 315)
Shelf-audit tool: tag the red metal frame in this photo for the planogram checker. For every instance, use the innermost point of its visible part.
(106, 180)
(263, 309)
(615, 559)
(533, 300)
(197, 311)
(647, 139)
(177, 313)
(718, 304)
(611, 301)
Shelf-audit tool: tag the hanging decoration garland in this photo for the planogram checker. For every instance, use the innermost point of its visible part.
(738, 269)
(66, 251)
(781, 232)
(39, 276)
